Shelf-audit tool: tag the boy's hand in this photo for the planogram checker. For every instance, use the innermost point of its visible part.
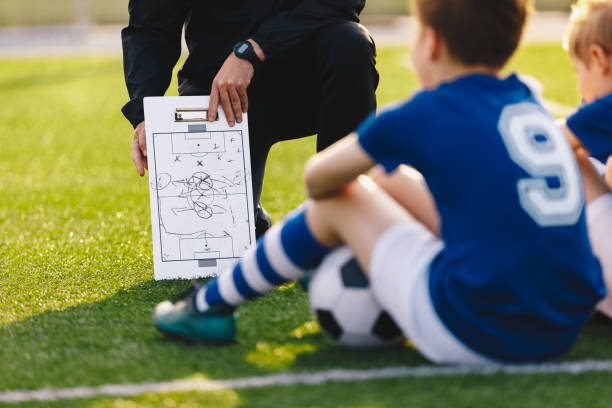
(139, 149)
(580, 151)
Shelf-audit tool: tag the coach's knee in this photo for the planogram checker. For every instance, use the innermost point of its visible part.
(346, 48)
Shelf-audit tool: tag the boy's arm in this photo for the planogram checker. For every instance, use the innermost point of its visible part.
(594, 184)
(330, 170)
(575, 143)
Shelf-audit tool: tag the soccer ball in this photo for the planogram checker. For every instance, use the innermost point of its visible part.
(343, 303)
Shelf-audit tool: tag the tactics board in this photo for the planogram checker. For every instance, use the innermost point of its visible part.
(202, 213)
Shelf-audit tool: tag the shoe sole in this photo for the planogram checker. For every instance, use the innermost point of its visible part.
(194, 340)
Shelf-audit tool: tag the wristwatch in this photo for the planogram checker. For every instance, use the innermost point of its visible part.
(245, 50)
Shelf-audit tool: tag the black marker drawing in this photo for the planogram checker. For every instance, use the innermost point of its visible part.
(200, 202)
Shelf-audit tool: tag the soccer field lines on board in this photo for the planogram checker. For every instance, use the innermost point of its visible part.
(308, 378)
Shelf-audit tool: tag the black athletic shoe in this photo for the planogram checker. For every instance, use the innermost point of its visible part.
(263, 222)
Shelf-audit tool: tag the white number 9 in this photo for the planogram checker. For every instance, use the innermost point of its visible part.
(537, 145)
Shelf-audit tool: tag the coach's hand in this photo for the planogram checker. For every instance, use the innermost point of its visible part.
(139, 149)
(230, 87)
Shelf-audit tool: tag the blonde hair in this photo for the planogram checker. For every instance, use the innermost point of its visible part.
(590, 24)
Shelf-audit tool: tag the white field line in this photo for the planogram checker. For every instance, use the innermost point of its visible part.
(312, 378)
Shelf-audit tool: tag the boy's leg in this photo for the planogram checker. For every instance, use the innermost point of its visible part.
(362, 214)
(358, 217)
(594, 184)
(599, 224)
(407, 186)
(286, 252)
(395, 250)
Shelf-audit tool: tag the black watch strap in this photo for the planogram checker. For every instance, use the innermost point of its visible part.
(245, 50)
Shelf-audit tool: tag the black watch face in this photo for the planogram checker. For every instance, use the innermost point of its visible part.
(242, 48)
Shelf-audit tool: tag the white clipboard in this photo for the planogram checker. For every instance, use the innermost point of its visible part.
(202, 215)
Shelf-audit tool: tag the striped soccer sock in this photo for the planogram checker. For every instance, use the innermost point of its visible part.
(285, 253)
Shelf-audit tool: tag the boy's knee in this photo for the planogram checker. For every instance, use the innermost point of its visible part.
(358, 189)
(378, 173)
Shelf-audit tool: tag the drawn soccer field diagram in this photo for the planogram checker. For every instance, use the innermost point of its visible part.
(201, 195)
(201, 198)
(198, 144)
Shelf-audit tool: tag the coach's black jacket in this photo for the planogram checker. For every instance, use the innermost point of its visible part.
(151, 41)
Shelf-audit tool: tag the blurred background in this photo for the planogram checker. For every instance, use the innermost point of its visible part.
(114, 12)
(92, 27)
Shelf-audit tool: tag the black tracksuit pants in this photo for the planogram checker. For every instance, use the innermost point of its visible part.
(325, 87)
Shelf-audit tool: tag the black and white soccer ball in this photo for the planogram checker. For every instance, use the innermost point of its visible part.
(344, 304)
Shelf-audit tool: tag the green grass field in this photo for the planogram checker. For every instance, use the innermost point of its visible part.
(76, 280)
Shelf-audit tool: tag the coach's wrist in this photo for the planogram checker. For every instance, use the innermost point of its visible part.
(258, 51)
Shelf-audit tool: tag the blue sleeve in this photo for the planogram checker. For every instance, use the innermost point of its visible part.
(388, 138)
(592, 124)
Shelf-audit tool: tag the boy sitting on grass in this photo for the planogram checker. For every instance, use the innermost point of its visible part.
(487, 258)
(589, 43)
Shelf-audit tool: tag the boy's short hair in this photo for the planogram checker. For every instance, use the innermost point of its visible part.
(477, 32)
(590, 24)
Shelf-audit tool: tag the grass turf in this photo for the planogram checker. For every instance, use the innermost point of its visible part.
(76, 288)
(561, 391)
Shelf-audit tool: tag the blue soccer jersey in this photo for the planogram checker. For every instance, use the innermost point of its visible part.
(592, 124)
(516, 279)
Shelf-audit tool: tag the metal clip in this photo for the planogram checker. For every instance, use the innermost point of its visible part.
(192, 115)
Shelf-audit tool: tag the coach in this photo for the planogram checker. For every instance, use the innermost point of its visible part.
(299, 67)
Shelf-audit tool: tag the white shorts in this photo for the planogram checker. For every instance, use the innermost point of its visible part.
(599, 223)
(399, 274)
